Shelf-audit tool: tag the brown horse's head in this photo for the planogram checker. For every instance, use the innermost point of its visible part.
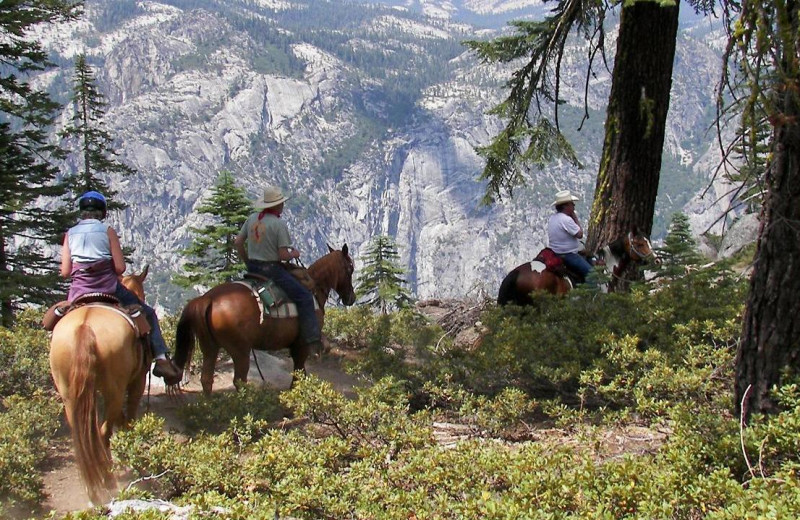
(638, 247)
(343, 267)
(135, 282)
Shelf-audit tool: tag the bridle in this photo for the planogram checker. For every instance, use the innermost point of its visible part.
(641, 256)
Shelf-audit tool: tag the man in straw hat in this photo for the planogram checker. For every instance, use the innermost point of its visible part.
(268, 245)
(564, 232)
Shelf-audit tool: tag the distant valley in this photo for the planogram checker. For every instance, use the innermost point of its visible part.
(368, 115)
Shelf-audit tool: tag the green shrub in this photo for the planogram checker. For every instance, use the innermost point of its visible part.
(27, 424)
(212, 414)
(24, 356)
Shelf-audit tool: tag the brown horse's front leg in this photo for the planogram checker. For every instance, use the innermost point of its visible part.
(300, 352)
(241, 366)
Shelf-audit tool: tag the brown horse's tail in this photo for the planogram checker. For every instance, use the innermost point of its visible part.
(92, 453)
(192, 324)
(508, 289)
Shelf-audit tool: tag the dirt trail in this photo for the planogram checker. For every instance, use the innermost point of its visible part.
(63, 488)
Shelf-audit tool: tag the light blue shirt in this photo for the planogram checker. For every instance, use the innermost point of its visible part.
(88, 241)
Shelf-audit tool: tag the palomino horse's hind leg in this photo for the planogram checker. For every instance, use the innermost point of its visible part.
(135, 392)
(113, 414)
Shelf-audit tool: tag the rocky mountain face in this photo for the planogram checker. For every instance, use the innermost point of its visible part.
(368, 115)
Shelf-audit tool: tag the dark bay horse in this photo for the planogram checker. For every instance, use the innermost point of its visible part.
(517, 286)
(229, 317)
(96, 351)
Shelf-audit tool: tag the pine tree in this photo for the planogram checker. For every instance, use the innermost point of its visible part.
(680, 248)
(212, 255)
(88, 134)
(752, 153)
(381, 280)
(27, 272)
(762, 78)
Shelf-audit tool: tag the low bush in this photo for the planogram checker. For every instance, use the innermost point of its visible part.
(214, 413)
(27, 424)
(24, 356)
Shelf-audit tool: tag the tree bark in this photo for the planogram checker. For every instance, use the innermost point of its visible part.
(627, 183)
(770, 344)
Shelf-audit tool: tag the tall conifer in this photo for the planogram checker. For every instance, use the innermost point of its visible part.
(381, 281)
(27, 179)
(212, 257)
(93, 145)
(680, 248)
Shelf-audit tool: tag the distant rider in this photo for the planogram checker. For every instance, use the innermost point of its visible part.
(92, 257)
(268, 245)
(563, 234)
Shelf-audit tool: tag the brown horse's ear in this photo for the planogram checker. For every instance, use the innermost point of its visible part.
(344, 249)
(330, 249)
(144, 272)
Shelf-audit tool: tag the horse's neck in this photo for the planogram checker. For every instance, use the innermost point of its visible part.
(324, 276)
(614, 258)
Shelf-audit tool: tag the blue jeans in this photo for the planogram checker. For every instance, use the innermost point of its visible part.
(126, 297)
(297, 292)
(577, 263)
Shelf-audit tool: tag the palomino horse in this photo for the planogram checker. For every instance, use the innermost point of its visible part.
(229, 317)
(517, 286)
(96, 350)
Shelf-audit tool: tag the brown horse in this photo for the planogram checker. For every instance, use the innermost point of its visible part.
(518, 285)
(229, 317)
(95, 350)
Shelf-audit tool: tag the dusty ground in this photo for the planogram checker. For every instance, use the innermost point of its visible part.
(64, 490)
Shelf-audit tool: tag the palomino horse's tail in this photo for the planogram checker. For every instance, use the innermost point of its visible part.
(508, 289)
(192, 324)
(91, 451)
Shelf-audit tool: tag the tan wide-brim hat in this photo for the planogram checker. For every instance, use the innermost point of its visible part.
(271, 198)
(564, 196)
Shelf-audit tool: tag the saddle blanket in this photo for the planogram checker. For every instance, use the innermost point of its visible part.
(273, 301)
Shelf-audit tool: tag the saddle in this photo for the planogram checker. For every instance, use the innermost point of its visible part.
(132, 313)
(273, 301)
(552, 262)
(555, 264)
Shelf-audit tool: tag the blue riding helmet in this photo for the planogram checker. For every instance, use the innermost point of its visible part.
(92, 200)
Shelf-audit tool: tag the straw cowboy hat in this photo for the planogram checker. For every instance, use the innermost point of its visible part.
(272, 197)
(562, 197)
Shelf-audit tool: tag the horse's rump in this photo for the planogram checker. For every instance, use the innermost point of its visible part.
(524, 279)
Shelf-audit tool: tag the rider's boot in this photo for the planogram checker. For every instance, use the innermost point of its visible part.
(166, 368)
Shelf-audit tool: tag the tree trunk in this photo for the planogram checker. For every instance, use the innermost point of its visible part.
(6, 308)
(770, 341)
(627, 183)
